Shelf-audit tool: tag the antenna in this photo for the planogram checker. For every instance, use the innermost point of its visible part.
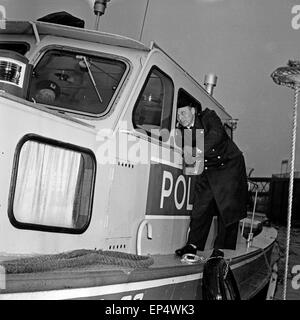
(144, 19)
(99, 10)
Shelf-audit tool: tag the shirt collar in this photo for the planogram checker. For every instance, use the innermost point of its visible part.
(192, 124)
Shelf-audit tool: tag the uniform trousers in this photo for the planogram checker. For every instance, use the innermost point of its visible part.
(200, 225)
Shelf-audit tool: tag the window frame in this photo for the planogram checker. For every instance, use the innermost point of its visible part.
(144, 131)
(96, 54)
(56, 143)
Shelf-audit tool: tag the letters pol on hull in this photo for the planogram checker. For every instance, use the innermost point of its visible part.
(169, 191)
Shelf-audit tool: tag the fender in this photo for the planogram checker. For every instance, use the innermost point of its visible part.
(218, 281)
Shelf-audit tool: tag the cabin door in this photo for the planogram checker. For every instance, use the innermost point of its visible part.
(164, 191)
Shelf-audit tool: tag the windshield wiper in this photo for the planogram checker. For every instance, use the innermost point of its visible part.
(91, 76)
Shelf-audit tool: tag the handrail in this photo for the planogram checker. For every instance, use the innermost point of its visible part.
(139, 235)
(250, 235)
(36, 32)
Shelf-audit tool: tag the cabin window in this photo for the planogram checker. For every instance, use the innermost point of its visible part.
(153, 108)
(76, 82)
(19, 47)
(52, 186)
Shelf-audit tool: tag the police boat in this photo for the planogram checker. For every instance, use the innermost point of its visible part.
(94, 198)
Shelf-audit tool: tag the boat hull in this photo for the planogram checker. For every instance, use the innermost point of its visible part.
(167, 279)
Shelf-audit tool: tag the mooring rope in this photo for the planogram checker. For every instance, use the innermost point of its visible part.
(291, 187)
(289, 76)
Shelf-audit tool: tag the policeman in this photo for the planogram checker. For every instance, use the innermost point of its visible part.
(221, 189)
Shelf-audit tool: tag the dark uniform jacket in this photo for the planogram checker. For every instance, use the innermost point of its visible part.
(224, 171)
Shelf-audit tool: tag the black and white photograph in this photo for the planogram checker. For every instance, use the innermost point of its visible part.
(149, 151)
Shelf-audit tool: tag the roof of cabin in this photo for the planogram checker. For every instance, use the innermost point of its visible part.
(45, 28)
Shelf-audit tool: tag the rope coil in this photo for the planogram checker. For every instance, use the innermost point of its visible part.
(288, 76)
(76, 259)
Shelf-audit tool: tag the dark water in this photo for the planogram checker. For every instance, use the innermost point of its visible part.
(293, 292)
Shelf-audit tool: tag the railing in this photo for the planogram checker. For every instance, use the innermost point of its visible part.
(279, 197)
(261, 185)
(253, 186)
(272, 197)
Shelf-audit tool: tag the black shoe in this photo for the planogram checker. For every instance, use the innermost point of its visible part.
(217, 253)
(188, 248)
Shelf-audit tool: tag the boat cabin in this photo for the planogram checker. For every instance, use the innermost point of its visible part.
(89, 154)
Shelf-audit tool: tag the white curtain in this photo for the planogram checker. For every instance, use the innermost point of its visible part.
(46, 185)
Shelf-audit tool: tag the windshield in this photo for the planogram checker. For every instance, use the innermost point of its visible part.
(76, 82)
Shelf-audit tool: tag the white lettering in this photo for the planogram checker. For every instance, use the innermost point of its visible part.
(296, 278)
(165, 193)
(296, 19)
(138, 152)
(106, 152)
(2, 278)
(189, 206)
(138, 296)
(179, 205)
(2, 17)
(127, 297)
(123, 141)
